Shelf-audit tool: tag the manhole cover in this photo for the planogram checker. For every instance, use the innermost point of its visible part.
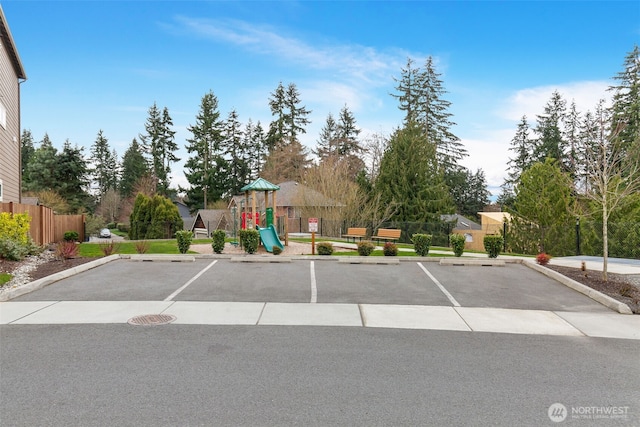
(152, 319)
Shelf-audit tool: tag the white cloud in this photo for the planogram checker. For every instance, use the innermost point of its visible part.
(531, 101)
(354, 62)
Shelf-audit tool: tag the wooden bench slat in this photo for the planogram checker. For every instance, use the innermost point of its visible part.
(355, 232)
(387, 234)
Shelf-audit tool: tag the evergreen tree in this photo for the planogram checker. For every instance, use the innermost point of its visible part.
(254, 140)
(27, 150)
(469, 191)
(326, 145)
(433, 114)
(277, 104)
(41, 169)
(290, 117)
(134, 167)
(626, 100)
(72, 178)
(571, 135)
(105, 165)
(408, 96)
(206, 169)
(523, 148)
(410, 176)
(237, 155)
(550, 142)
(159, 143)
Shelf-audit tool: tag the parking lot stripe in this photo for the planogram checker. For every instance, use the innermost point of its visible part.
(193, 279)
(314, 289)
(439, 285)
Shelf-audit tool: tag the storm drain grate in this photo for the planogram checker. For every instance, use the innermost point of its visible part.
(152, 319)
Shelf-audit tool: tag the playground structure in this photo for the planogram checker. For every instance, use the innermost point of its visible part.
(251, 216)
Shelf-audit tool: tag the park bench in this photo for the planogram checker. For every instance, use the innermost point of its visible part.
(387, 234)
(354, 232)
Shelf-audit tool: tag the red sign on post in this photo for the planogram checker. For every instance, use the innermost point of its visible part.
(313, 225)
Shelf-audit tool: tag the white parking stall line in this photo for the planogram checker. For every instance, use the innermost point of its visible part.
(314, 289)
(439, 285)
(193, 279)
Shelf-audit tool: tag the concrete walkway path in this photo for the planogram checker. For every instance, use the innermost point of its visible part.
(466, 319)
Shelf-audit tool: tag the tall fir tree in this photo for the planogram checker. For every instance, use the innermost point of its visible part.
(326, 144)
(159, 143)
(41, 170)
(433, 114)
(105, 168)
(134, 167)
(27, 149)
(290, 117)
(408, 92)
(236, 150)
(411, 177)
(522, 147)
(256, 146)
(72, 178)
(626, 100)
(206, 168)
(550, 141)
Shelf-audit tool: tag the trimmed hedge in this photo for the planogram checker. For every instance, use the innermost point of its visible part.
(421, 243)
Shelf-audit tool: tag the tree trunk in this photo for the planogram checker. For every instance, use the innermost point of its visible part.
(605, 239)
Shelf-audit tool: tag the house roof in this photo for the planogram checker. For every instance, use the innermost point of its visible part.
(9, 44)
(260, 184)
(210, 217)
(461, 222)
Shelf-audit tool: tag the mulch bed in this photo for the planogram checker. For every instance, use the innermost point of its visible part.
(618, 286)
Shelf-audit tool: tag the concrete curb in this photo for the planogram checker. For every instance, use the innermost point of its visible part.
(603, 299)
(46, 281)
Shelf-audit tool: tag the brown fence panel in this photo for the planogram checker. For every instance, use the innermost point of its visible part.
(64, 223)
(46, 227)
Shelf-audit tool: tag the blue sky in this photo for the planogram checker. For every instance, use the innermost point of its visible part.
(100, 65)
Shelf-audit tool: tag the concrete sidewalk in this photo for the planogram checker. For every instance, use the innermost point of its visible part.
(466, 319)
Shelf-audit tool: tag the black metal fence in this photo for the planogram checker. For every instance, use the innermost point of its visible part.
(575, 238)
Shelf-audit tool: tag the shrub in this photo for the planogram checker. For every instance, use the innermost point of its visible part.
(276, 250)
(11, 250)
(218, 241)
(249, 240)
(109, 248)
(543, 258)
(184, 238)
(493, 244)
(457, 243)
(15, 226)
(66, 250)
(123, 227)
(142, 246)
(71, 236)
(421, 243)
(324, 248)
(390, 249)
(365, 248)
(111, 225)
(5, 278)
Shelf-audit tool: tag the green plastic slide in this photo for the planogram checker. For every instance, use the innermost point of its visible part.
(269, 238)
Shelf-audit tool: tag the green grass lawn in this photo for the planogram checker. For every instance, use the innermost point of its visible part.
(4, 278)
(126, 247)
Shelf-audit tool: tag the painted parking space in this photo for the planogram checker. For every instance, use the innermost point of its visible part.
(121, 280)
(514, 286)
(251, 282)
(404, 283)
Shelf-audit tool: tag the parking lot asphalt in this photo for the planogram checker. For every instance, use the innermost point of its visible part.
(411, 294)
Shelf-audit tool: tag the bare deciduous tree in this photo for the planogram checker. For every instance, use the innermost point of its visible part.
(612, 170)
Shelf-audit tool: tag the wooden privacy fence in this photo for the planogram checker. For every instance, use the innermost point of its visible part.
(47, 227)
